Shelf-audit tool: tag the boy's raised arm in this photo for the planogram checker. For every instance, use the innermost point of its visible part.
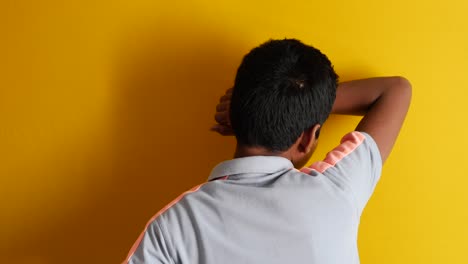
(384, 102)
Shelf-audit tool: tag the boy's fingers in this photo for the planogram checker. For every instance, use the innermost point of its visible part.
(222, 117)
(222, 129)
(222, 107)
(226, 131)
(225, 98)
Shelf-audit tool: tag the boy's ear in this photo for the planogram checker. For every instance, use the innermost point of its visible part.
(309, 138)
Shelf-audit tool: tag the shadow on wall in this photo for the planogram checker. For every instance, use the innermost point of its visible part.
(167, 81)
(166, 84)
(162, 145)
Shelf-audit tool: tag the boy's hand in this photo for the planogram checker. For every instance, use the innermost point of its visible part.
(222, 115)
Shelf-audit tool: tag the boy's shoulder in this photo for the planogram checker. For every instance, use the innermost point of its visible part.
(354, 165)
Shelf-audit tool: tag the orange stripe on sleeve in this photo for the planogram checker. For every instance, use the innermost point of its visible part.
(165, 208)
(348, 144)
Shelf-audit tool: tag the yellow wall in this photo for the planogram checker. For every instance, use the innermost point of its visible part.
(105, 108)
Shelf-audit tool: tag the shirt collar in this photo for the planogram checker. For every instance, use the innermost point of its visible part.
(252, 164)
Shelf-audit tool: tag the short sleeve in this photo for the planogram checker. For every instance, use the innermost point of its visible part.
(151, 247)
(356, 163)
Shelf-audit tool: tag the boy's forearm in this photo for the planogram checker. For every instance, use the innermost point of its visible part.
(383, 101)
(357, 96)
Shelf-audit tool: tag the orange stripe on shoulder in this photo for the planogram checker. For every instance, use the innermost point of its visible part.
(347, 145)
(164, 209)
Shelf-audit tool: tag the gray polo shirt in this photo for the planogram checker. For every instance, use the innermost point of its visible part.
(261, 209)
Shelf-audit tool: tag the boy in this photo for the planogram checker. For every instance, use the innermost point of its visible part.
(263, 206)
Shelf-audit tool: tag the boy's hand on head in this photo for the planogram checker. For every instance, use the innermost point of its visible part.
(223, 125)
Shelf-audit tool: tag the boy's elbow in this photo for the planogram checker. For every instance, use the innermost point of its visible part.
(404, 82)
(404, 87)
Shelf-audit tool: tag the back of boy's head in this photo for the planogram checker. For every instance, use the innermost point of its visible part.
(282, 88)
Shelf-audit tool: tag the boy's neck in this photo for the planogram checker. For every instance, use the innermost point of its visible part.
(247, 151)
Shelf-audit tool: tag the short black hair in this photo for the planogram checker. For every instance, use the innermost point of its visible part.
(282, 88)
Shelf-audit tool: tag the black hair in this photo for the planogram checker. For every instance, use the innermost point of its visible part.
(282, 88)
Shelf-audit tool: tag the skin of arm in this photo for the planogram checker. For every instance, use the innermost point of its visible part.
(383, 101)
